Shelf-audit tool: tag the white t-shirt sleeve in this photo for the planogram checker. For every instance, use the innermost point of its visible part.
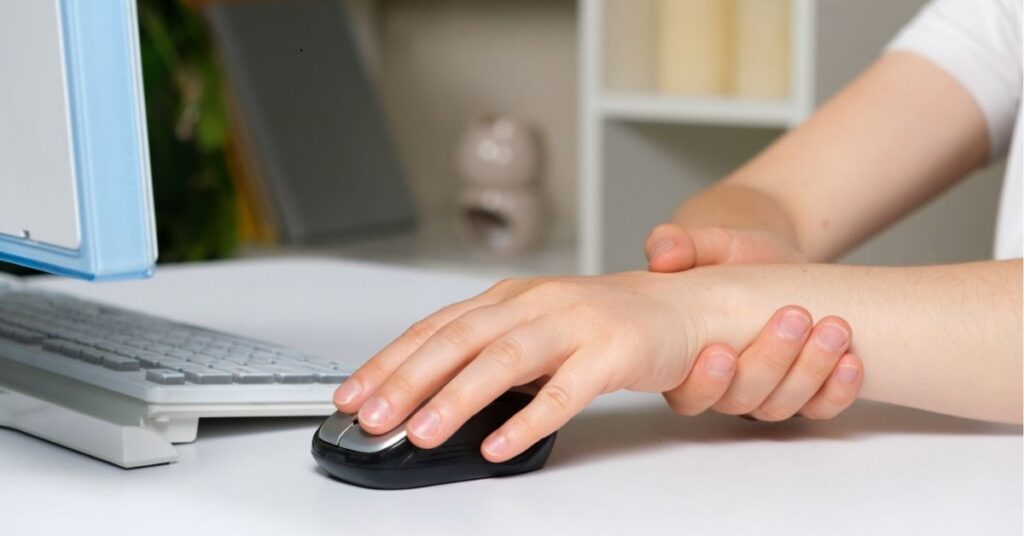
(979, 43)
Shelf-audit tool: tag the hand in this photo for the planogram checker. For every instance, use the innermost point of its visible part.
(591, 335)
(824, 394)
(789, 369)
(671, 248)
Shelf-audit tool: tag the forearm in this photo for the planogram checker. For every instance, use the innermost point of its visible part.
(737, 206)
(940, 338)
(897, 136)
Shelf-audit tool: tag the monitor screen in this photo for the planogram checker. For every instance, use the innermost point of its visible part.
(75, 193)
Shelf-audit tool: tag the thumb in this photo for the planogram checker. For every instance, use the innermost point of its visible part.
(671, 248)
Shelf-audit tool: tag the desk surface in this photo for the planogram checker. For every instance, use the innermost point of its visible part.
(625, 465)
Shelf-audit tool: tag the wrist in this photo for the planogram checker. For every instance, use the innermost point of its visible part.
(727, 300)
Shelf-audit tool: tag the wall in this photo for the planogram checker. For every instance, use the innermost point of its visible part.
(440, 63)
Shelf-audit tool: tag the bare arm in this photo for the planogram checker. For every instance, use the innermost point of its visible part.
(940, 338)
(898, 135)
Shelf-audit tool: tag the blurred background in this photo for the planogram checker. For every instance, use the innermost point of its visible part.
(497, 137)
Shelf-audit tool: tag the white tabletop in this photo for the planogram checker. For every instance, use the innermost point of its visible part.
(625, 465)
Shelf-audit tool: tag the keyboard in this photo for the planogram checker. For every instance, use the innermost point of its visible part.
(124, 386)
(155, 359)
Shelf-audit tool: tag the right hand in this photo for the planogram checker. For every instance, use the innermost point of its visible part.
(777, 376)
(672, 248)
(789, 369)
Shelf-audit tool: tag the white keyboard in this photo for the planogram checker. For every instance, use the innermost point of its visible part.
(124, 386)
(154, 359)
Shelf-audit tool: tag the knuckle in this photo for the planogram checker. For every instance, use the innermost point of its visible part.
(556, 398)
(451, 398)
(372, 370)
(819, 368)
(458, 333)
(506, 353)
(419, 332)
(777, 360)
(503, 286)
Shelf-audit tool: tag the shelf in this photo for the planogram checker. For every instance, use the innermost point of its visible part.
(652, 107)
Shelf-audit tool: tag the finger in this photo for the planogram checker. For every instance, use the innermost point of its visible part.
(682, 249)
(766, 361)
(828, 342)
(520, 356)
(707, 382)
(435, 363)
(839, 392)
(351, 394)
(579, 380)
(668, 249)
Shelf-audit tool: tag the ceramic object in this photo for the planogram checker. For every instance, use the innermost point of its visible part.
(499, 222)
(497, 150)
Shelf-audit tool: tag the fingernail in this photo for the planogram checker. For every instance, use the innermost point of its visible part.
(496, 445)
(374, 412)
(846, 374)
(661, 247)
(832, 337)
(347, 392)
(425, 424)
(720, 364)
(793, 325)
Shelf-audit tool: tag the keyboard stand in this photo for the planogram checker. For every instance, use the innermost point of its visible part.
(125, 446)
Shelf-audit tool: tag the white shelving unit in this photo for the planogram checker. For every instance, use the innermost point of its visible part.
(641, 151)
(618, 41)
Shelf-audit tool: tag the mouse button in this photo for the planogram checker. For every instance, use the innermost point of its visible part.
(356, 439)
(334, 427)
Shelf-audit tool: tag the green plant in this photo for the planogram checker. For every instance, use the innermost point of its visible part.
(188, 129)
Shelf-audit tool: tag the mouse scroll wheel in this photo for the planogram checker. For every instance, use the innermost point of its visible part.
(335, 425)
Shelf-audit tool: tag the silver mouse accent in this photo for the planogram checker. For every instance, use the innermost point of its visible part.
(334, 426)
(343, 430)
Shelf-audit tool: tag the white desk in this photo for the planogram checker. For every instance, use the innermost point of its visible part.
(626, 465)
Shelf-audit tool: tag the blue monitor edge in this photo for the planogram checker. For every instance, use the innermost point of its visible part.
(112, 189)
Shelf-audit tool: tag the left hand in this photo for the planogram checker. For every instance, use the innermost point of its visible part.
(591, 335)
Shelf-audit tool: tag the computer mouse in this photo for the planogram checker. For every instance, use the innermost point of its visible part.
(391, 461)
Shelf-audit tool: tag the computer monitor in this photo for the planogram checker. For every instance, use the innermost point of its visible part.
(75, 188)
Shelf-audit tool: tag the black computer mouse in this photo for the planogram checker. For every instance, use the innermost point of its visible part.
(391, 461)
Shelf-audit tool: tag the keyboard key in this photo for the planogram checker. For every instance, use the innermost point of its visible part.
(119, 362)
(250, 375)
(174, 363)
(21, 335)
(92, 355)
(71, 349)
(196, 374)
(179, 353)
(148, 359)
(288, 374)
(166, 377)
(330, 377)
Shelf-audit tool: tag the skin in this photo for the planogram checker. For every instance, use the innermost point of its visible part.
(877, 145)
(643, 331)
(940, 338)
